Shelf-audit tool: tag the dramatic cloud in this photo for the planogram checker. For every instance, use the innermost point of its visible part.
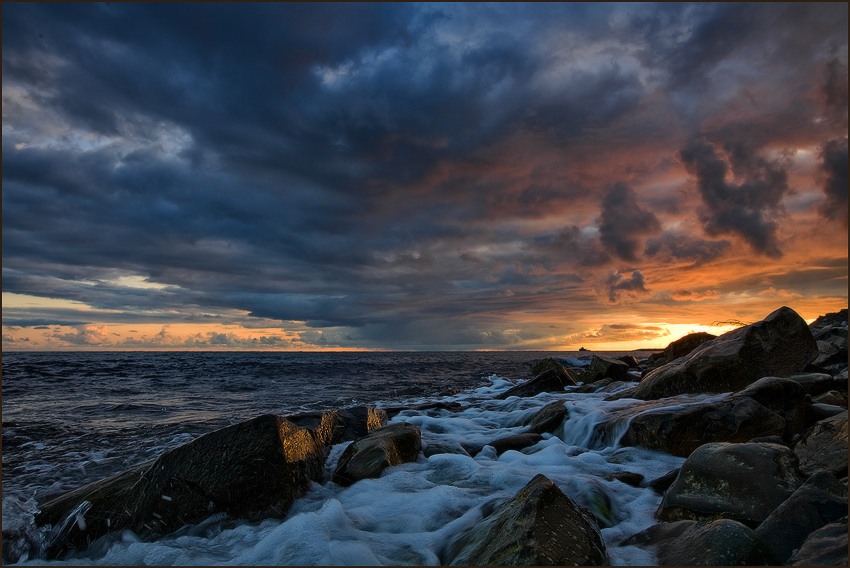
(416, 176)
(747, 208)
(623, 222)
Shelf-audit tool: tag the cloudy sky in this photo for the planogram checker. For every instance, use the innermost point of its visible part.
(414, 176)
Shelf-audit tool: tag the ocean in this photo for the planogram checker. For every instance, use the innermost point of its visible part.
(72, 418)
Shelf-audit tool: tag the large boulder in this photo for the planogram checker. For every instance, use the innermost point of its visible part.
(821, 500)
(551, 364)
(370, 455)
(684, 345)
(547, 381)
(605, 368)
(742, 482)
(704, 543)
(344, 425)
(252, 470)
(768, 407)
(824, 447)
(779, 345)
(826, 546)
(539, 526)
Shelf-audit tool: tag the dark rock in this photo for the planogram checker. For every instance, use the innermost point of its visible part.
(516, 442)
(336, 426)
(707, 543)
(627, 477)
(815, 383)
(821, 500)
(685, 345)
(595, 386)
(767, 440)
(449, 406)
(824, 411)
(547, 381)
(834, 319)
(548, 418)
(605, 368)
(252, 470)
(768, 407)
(824, 447)
(833, 398)
(370, 455)
(568, 376)
(663, 483)
(743, 482)
(539, 526)
(431, 448)
(779, 345)
(826, 546)
(630, 361)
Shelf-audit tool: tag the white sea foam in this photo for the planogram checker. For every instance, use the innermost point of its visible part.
(414, 513)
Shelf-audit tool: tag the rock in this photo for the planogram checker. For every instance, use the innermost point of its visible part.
(568, 377)
(834, 319)
(370, 455)
(826, 546)
(516, 442)
(548, 419)
(685, 345)
(824, 447)
(605, 368)
(829, 353)
(663, 483)
(426, 406)
(336, 426)
(539, 526)
(779, 345)
(630, 361)
(742, 482)
(815, 383)
(833, 398)
(432, 448)
(822, 499)
(252, 470)
(768, 407)
(707, 543)
(547, 381)
(595, 386)
(627, 477)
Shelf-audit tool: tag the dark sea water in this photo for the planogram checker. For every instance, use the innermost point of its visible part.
(72, 418)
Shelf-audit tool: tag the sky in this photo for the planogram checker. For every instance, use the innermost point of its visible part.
(418, 176)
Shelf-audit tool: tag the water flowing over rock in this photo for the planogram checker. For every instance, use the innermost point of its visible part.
(252, 470)
(548, 418)
(824, 447)
(547, 381)
(779, 345)
(821, 500)
(742, 482)
(539, 526)
(826, 546)
(705, 543)
(370, 455)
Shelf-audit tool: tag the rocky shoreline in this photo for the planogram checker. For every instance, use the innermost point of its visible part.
(764, 482)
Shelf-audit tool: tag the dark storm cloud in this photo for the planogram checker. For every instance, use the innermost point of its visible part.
(833, 168)
(746, 208)
(371, 166)
(624, 222)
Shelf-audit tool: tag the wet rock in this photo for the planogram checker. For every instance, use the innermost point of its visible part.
(683, 346)
(779, 345)
(252, 470)
(434, 447)
(595, 386)
(370, 455)
(426, 406)
(627, 477)
(568, 376)
(336, 426)
(548, 419)
(539, 526)
(547, 381)
(768, 407)
(663, 483)
(605, 368)
(824, 447)
(826, 546)
(516, 442)
(821, 500)
(704, 543)
(742, 482)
